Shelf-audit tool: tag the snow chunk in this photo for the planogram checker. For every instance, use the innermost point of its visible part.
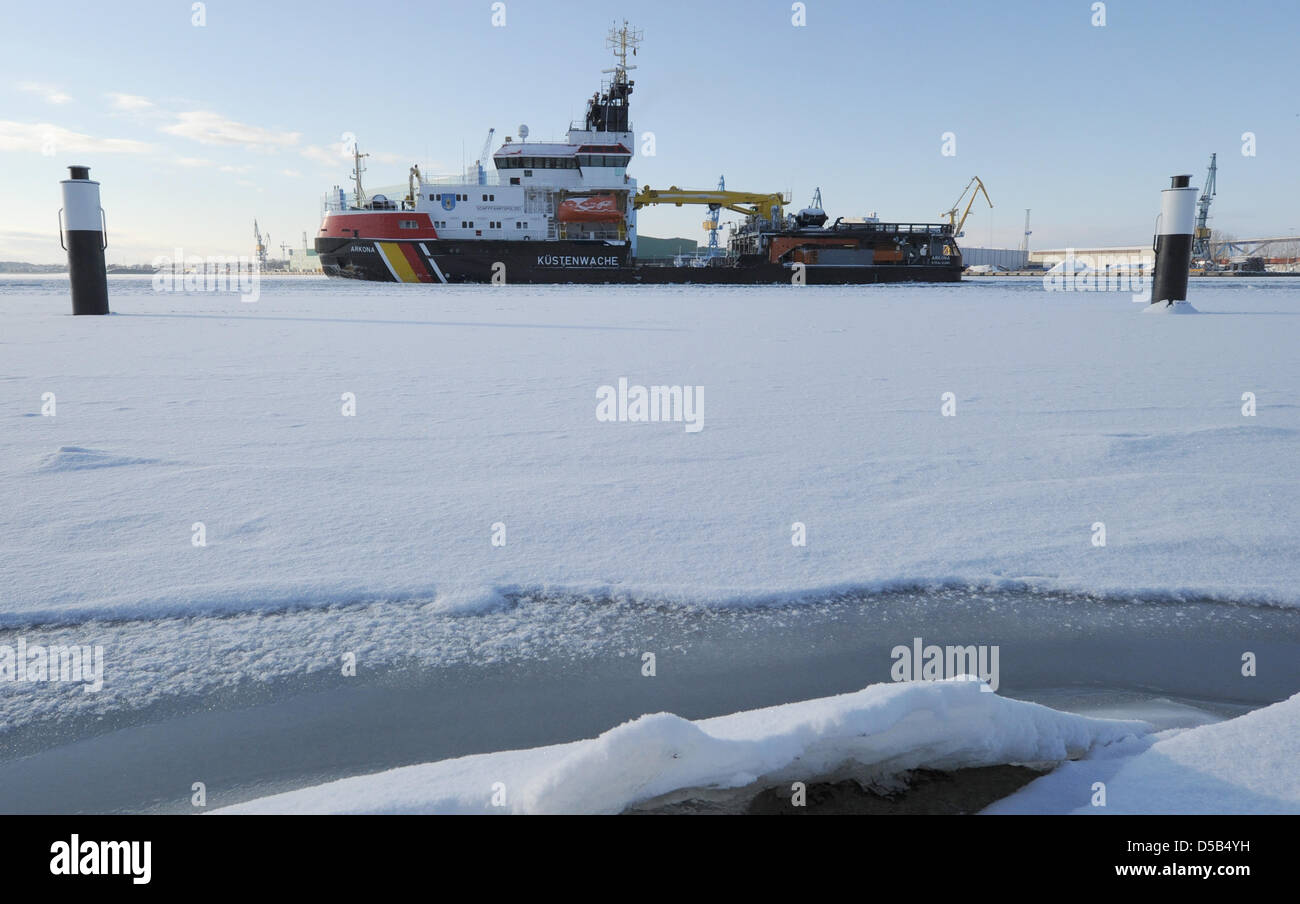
(880, 731)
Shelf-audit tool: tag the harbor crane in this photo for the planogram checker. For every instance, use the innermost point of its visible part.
(763, 206)
(480, 165)
(1201, 250)
(952, 214)
(711, 224)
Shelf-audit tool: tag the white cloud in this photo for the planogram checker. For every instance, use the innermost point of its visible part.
(291, 173)
(330, 156)
(49, 93)
(129, 102)
(211, 128)
(46, 138)
(192, 162)
(228, 168)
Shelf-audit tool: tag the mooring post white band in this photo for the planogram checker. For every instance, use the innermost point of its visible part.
(81, 206)
(1178, 211)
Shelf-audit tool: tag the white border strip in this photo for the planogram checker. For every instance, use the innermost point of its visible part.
(384, 257)
(433, 263)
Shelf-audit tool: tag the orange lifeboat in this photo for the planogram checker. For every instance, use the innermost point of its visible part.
(591, 209)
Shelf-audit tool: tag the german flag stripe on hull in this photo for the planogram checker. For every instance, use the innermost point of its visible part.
(404, 262)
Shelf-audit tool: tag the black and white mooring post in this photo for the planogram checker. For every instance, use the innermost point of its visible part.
(1173, 242)
(83, 234)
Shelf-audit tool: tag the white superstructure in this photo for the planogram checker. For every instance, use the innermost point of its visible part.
(536, 190)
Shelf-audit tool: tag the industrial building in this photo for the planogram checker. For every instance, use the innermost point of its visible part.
(1003, 258)
(1113, 256)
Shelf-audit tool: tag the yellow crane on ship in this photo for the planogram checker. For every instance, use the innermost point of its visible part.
(763, 206)
(952, 214)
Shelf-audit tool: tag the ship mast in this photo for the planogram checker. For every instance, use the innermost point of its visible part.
(357, 170)
(621, 40)
(607, 110)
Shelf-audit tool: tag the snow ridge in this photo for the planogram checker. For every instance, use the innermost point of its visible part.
(879, 731)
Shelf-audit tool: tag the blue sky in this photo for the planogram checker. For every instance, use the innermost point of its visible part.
(194, 131)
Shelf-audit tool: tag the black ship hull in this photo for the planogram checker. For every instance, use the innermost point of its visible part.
(588, 262)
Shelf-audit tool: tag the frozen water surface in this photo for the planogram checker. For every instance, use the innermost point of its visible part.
(371, 534)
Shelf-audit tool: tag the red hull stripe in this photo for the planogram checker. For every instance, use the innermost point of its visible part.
(375, 225)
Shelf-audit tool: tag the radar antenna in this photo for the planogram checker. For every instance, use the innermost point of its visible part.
(621, 40)
(607, 110)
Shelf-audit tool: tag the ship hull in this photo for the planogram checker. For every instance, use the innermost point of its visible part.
(582, 262)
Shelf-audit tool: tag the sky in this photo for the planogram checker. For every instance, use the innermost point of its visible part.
(194, 129)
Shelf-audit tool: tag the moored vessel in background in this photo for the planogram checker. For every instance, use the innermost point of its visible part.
(566, 212)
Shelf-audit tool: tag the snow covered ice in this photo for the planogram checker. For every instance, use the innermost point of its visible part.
(476, 406)
(1248, 765)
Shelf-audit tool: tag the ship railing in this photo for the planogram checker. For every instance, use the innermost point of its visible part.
(394, 194)
(902, 228)
(471, 177)
(397, 194)
(394, 199)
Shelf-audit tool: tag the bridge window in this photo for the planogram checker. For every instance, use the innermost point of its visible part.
(603, 159)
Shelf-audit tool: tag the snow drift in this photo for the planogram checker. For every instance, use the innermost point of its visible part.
(1247, 765)
(880, 731)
